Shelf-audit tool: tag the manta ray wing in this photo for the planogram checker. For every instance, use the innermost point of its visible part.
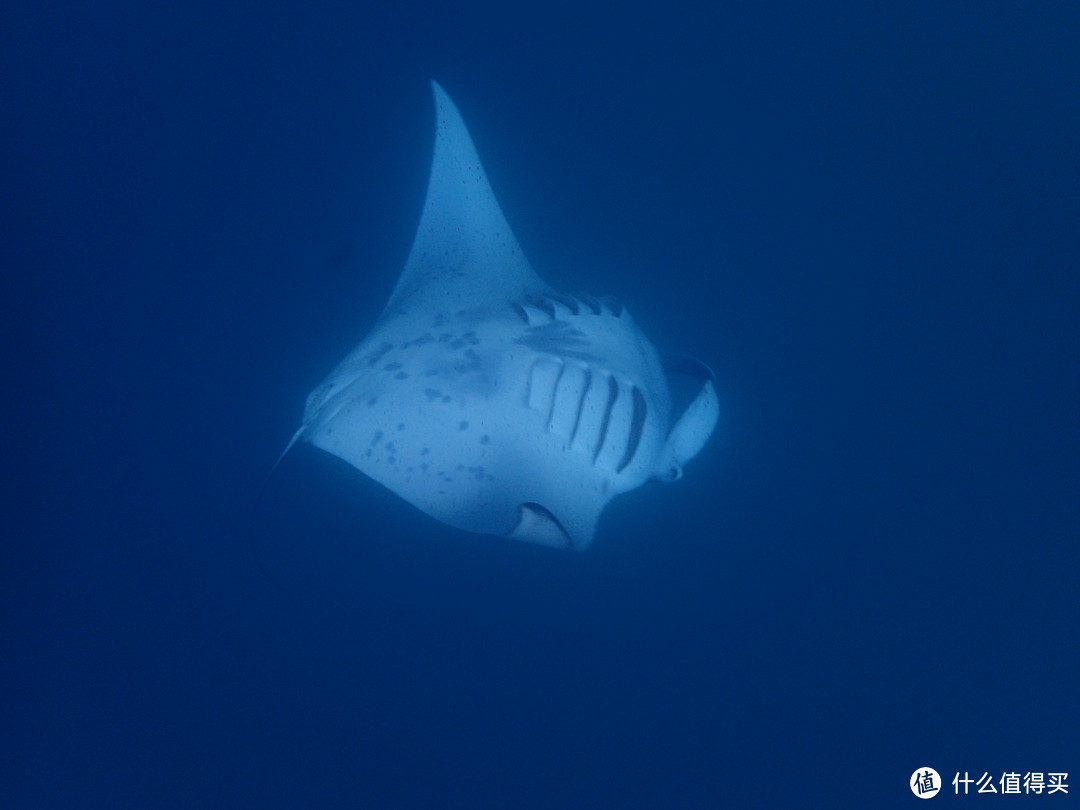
(487, 399)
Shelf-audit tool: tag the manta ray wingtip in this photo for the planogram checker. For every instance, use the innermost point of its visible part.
(440, 94)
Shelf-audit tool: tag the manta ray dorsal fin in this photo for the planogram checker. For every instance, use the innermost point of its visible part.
(464, 252)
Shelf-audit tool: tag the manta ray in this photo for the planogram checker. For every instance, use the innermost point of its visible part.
(491, 401)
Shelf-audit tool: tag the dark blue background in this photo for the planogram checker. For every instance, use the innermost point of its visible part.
(865, 218)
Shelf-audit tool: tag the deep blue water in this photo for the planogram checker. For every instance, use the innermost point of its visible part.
(866, 220)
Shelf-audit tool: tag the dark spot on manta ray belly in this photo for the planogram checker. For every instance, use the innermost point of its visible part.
(463, 426)
(467, 339)
(424, 339)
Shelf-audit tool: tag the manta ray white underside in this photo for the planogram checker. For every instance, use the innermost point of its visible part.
(490, 401)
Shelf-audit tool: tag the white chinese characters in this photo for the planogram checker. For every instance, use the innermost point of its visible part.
(1033, 782)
